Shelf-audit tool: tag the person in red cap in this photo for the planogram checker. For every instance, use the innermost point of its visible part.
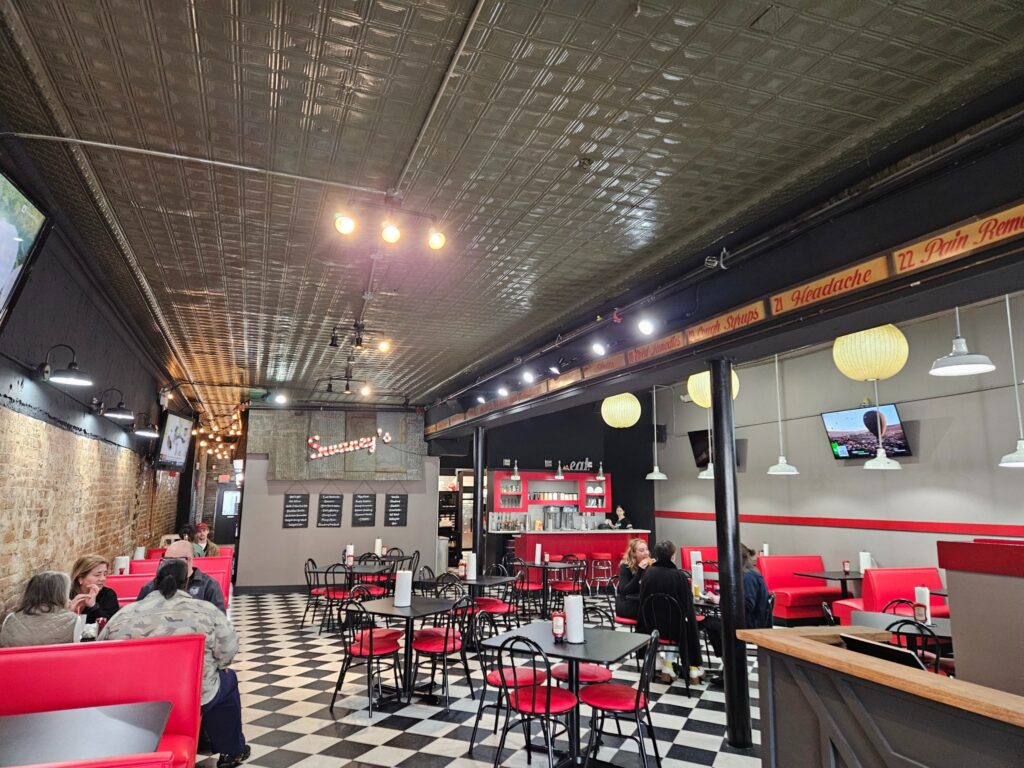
(201, 545)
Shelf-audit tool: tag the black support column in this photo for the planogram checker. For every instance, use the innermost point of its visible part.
(478, 495)
(730, 561)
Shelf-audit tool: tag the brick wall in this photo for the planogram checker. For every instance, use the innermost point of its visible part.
(62, 496)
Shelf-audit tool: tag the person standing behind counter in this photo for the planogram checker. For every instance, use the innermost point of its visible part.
(621, 521)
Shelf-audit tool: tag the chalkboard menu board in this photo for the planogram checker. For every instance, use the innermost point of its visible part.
(328, 510)
(296, 510)
(364, 510)
(396, 510)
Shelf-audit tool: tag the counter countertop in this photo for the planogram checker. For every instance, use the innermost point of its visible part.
(575, 533)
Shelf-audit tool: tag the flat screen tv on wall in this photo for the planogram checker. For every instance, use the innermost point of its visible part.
(174, 441)
(853, 434)
(21, 229)
(700, 444)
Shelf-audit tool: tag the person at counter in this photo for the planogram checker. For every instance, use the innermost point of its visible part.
(631, 570)
(621, 521)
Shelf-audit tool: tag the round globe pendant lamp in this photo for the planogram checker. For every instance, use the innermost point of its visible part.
(698, 387)
(621, 411)
(877, 353)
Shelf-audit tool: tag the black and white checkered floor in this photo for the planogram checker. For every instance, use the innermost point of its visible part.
(287, 674)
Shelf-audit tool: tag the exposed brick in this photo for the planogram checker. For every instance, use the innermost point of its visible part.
(62, 496)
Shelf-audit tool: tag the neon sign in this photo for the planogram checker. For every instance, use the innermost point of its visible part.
(319, 451)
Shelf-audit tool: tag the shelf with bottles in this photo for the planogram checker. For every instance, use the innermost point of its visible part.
(590, 492)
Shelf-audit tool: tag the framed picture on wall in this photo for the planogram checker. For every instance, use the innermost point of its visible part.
(22, 230)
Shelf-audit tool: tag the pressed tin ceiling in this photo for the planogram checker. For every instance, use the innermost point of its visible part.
(695, 116)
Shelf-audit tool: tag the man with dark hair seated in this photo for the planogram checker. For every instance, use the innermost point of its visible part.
(199, 586)
(169, 610)
(663, 576)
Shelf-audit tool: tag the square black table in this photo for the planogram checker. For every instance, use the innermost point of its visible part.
(418, 608)
(480, 583)
(359, 569)
(600, 646)
(546, 568)
(82, 733)
(942, 627)
(841, 576)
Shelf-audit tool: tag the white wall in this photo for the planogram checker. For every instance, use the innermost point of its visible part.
(269, 555)
(958, 429)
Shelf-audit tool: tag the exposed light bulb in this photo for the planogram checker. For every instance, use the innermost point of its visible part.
(390, 233)
(195, 432)
(502, 392)
(646, 327)
(598, 348)
(436, 240)
(365, 391)
(481, 399)
(528, 377)
(384, 346)
(554, 369)
(346, 225)
(280, 399)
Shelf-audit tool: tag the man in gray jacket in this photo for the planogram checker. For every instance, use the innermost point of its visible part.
(200, 586)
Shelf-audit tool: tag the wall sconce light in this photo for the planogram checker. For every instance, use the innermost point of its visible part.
(72, 376)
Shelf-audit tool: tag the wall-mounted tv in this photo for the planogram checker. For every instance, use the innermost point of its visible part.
(21, 225)
(853, 434)
(174, 440)
(700, 444)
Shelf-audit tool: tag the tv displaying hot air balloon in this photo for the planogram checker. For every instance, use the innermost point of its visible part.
(853, 434)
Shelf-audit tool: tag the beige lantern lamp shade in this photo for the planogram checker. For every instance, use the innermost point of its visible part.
(698, 387)
(872, 355)
(620, 411)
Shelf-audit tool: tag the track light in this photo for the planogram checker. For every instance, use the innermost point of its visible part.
(334, 337)
(481, 399)
(502, 392)
(72, 376)
(384, 346)
(598, 348)
(280, 399)
(554, 369)
(358, 342)
(390, 233)
(148, 431)
(436, 240)
(528, 377)
(330, 386)
(348, 387)
(645, 326)
(346, 225)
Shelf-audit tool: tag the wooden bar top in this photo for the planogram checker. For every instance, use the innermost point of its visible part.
(987, 702)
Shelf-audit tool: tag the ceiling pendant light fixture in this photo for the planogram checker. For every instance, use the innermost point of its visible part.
(600, 472)
(870, 355)
(1014, 460)
(384, 345)
(348, 387)
(708, 473)
(698, 387)
(645, 326)
(502, 392)
(72, 376)
(656, 473)
(529, 377)
(558, 474)
(960, 362)
(598, 349)
(389, 232)
(481, 399)
(436, 240)
(330, 385)
(345, 225)
(334, 337)
(621, 411)
(148, 431)
(515, 472)
(365, 391)
(783, 467)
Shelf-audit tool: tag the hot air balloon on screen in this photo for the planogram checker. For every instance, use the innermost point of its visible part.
(874, 422)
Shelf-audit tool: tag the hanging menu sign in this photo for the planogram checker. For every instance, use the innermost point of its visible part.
(731, 321)
(664, 346)
(328, 510)
(364, 510)
(396, 510)
(296, 510)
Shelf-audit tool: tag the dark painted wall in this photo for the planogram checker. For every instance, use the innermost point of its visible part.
(628, 457)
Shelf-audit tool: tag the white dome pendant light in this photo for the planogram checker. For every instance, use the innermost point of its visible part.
(655, 474)
(783, 467)
(1014, 460)
(960, 362)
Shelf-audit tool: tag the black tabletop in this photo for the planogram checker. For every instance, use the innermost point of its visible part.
(876, 620)
(359, 569)
(417, 608)
(80, 734)
(833, 575)
(554, 565)
(489, 581)
(602, 646)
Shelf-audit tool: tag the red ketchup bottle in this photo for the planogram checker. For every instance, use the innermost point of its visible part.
(558, 625)
(462, 568)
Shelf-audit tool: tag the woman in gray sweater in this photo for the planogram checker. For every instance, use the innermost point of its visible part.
(45, 615)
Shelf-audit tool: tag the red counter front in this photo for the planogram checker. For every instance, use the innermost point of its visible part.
(584, 542)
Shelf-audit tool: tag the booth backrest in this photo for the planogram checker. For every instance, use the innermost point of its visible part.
(778, 570)
(150, 760)
(706, 553)
(884, 584)
(222, 575)
(155, 553)
(48, 677)
(227, 550)
(140, 567)
(127, 587)
(1015, 542)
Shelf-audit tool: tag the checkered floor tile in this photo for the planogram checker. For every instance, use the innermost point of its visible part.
(287, 674)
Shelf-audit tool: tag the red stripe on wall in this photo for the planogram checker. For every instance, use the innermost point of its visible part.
(909, 526)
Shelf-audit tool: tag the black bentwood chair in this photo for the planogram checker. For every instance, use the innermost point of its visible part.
(623, 702)
(439, 643)
(521, 659)
(662, 612)
(314, 590)
(364, 646)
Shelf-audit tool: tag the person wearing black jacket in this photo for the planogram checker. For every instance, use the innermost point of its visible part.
(200, 586)
(665, 578)
(89, 578)
(627, 593)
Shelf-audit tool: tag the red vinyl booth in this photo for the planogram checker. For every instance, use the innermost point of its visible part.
(205, 564)
(127, 587)
(155, 553)
(796, 597)
(706, 553)
(884, 584)
(48, 677)
(152, 760)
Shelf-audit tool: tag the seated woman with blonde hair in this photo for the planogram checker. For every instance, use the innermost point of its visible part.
(634, 563)
(45, 615)
(89, 578)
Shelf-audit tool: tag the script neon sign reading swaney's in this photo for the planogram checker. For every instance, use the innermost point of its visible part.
(351, 446)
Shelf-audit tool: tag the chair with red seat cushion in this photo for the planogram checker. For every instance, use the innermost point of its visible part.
(571, 580)
(314, 590)
(48, 677)
(337, 586)
(527, 593)
(505, 604)
(363, 647)
(663, 612)
(797, 597)
(518, 657)
(621, 702)
(438, 647)
(589, 673)
(882, 585)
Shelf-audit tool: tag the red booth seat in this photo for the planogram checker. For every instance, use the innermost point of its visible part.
(152, 760)
(205, 564)
(796, 597)
(127, 587)
(884, 584)
(155, 553)
(48, 677)
(706, 553)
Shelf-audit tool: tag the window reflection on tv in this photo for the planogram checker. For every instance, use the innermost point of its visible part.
(853, 434)
(20, 225)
